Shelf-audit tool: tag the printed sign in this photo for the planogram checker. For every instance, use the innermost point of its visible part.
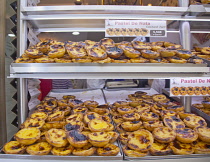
(134, 28)
(190, 86)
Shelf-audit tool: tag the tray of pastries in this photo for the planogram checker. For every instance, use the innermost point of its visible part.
(151, 126)
(66, 126)
(107, 51)
(202, 53)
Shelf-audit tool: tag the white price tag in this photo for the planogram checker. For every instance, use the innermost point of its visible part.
(34, 92)
(33, 39)
(33, 103)
(33, 2)
(190, 86)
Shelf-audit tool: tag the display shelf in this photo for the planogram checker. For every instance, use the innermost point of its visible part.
(106, 70)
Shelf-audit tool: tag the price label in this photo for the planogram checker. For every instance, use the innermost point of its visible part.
(190, 86)
(135, 28)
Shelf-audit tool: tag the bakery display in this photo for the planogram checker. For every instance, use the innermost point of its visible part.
(107, 51)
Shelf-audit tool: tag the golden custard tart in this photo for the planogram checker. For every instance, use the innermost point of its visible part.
(50, 102)
(177, 60)
(205, 50)
(62, 102)
(87, 150)
(134, 103)
(175, 91)
(179, 148)
(164, 134)
(41, 148)
(142, 108)
(131, 125)
(62, 151)
(56, 116)
(123, 137)
(33, 53)
(203, 133)
(133, 153)
(65, 109)
(106, 118)
(193, 121)
(165, 113)
(14, 147)
(67, 97)
(62, 60)
(125, 109)
(97, 53)
(24, 60)
(120, 103)
(206, 104)
(106, 41)
(80, 109)
(99, 139)
(55, 54)
(120, 128)
(131, 52)
(74, 125)
(114, 52)
(75, 102)
(42, 136)
(173, 122)
(56, 137)
(74, 117)
(167, 103)
(114, 136)
(77, 138)
(166, 52)
(27, 136)
(33, 122)
(100, 111)
(185, 54)
(151, 125)
(90, 116)
(176, 108)
(149, 54)
(186, 135)
(90, 103)
(131, 117)
(44, 59)
(159, 97)
(76, 52)
(140, 140)
(97, 125)
(183, 114)
(149, 116)
(53, 124)
(201, 147)
(108, 150)
(117, 119)
(157, 108)
(160, 149)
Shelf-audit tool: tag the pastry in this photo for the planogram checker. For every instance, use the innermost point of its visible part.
(65, 109)
(91, 104)
(186, 135)
(149, 116)
(74, 125)
(77, 138)
(131, 117)
(159, 97)
(108, 150)
(75, 102)
(151, 125)
(56, 137)
(205, 50)
(125, 109)
(123, 137)
(87, 150)
(150, 54)
(99, 139)
(80, 109)
(193, 121)
(173, 122)
(14, 147)
(166, 52)
(54, 124)
(77, 52)
(133, 153)
(41, 148)
(138, 31)
(98, 125)
(27, 136)
(97, 53)
(24, 60)
(201, 147)
(39, 115)
(131, 125)
(140, 140)
(176, 108)
(179, 148)
(56, 116)
(203, 133)
(164, 134)
(160, 149)
(62, 151)
(185, 54)
(33, 53)
(177, 60)
(131, 52)
(33, 122)
(114, 136)
(206, 104)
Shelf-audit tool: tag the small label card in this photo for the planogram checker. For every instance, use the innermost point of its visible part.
(190, 86)
(134, 28)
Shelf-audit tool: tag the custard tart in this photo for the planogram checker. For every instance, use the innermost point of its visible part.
(77, 138)
(55, 54)
(131, 125)
(33, 122)
(97, 53)
(108, 150)
(65, 109)
(90, 103)
(151, 125)
(173, 122)
(14, 147)
(130, 52)
(179, 148)
(133, 153)
(186, 135)
(41, 148)
(125, 109)
(53, 124)
(62, 102)
(99, 139)
(77, 52)
(149, 116)
(56, 137)
(56, 116)
(87, 150)
(24, 60)
(203, 133)
(160, 149)
(164, 134)
(114, 136)
(75, 102)
(80, 109)
(27, 136)
(67, 97)
(120, 103)
(74, 117)
(193, 121)
(39, 115)
(176, 108)
(98, 125)
(123, 137)
(159, 97)
(62, 151)
(201, 147)
(74, 125)
(150, 54)
(131, 117)
(140, 140)
(90, 116)
(114, 52)
(33, 53)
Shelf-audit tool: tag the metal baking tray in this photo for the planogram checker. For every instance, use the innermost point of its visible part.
(82, 94)
(112, 95)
